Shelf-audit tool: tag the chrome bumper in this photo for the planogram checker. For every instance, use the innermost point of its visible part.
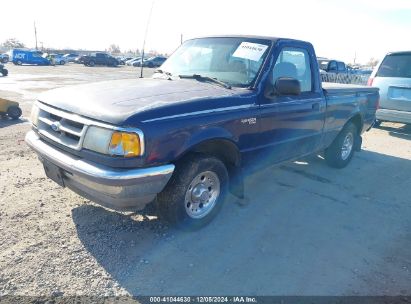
(110, 187)
(394, 116)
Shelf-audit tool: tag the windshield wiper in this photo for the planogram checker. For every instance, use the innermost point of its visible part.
(164, 72)
(206, 78)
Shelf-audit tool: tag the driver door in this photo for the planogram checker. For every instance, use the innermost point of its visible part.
(291, 126)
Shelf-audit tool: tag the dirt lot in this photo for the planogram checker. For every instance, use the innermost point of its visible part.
(307, 229)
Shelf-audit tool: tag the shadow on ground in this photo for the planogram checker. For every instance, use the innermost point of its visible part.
(6, 121)
(404, 131)
(308, 230)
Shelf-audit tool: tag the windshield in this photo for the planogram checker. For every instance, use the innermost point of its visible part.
(235, 61)
(396, 65)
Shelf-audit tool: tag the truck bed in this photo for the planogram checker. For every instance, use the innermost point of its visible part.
(331, 88)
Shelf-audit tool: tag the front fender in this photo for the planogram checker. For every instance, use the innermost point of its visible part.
(204, 135)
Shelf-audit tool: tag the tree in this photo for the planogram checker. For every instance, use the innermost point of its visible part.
(12, 43)
(114, 49)
(372, 62)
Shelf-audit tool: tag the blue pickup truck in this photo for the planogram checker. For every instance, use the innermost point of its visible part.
(218, 107)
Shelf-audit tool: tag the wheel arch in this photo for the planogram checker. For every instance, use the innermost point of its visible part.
(228, 152)
(358, 121)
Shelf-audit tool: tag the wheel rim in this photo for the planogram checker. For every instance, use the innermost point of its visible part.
(347, 146)
(202, 194)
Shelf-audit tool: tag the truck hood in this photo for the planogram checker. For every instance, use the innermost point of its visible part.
(116, 101)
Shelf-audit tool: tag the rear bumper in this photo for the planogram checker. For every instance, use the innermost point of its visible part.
(120, 189)
(394, 116)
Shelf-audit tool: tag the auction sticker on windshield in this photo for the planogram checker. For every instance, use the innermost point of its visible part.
(249, 50)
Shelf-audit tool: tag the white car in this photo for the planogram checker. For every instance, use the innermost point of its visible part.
(57, 58)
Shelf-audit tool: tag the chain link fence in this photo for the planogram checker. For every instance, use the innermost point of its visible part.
(345, 78)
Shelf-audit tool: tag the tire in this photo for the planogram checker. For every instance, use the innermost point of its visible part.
(19, 62)
(62, 62)
(4, 60)
(91, 63)
(341, 151)
(14, 112)
(195, 193)
(5, 72)
(377, 123)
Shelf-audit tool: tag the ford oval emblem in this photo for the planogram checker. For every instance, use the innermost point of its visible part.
(55, 126)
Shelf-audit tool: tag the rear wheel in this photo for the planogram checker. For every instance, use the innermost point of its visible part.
(195, 193)
(91, 63)
(5, 72)
(341, 151)
(14, 112)
(377, 123)
(62, 62)
(19, 62)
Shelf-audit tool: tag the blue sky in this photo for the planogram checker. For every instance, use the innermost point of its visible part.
(338, 29)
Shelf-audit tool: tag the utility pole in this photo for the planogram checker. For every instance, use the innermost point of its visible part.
(145, 37)
(181, 38)
(35, 33)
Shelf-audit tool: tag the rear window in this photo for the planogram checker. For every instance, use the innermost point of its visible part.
(396, 65)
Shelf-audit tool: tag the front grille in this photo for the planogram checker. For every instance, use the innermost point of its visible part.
(62, 127)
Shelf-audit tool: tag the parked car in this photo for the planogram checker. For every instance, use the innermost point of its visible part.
(151, 62)
(3, 70)
(55, 58)
(99, 59)
(127, 61)
(393, 77)
(22, 56)
(132, 61)
(187, 136)
(9, 108)
(70, 57)
(332, 66)
(122, 60)
(4, 58)
(79, 59)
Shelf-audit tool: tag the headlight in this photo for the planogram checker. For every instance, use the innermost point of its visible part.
(106, 141)
(34, 116)
(97, 139)
(125, 144)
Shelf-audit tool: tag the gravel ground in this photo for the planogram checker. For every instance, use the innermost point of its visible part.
(307, 229)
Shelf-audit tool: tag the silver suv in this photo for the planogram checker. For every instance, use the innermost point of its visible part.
(393, 76)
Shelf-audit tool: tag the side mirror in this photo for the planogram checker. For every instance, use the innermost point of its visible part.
(287, 86)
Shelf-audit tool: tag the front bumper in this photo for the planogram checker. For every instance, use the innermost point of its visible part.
(119, 189)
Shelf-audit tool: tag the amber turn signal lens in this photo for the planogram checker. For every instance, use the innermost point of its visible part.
(125, 144)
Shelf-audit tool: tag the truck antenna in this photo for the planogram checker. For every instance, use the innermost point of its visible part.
(35, 33)
(145, 37)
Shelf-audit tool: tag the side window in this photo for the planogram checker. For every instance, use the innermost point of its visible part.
(294, 63)
(332, 66)
(341, 66)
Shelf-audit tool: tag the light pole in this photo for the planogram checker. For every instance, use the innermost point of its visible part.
(35, 33)
(145, 37)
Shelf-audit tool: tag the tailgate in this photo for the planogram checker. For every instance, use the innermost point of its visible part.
(398, 98)
(395, 93)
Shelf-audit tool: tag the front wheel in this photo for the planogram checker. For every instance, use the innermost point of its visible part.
(62, 62)
(91, 63)
(339, 154)
(195, 193)
(5, 72)
(14, 112)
